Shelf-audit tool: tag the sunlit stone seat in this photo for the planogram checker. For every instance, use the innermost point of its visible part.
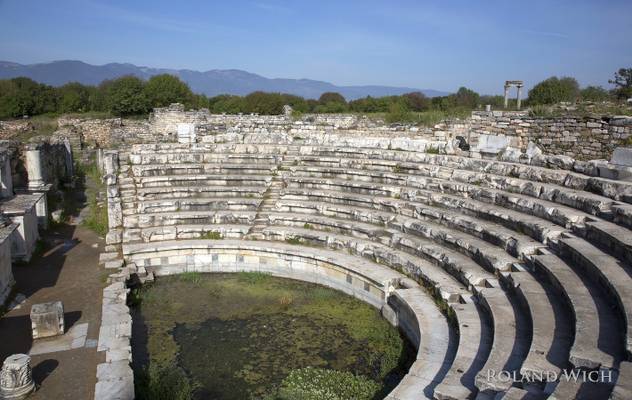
(475, 338)
(596, 323)
(147, 220)
(212, 180)
(221, 167)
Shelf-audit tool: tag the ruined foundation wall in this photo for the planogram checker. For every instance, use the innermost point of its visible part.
(581, 138)
(101, 132)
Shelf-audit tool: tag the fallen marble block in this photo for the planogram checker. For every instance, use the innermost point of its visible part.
(47, 319)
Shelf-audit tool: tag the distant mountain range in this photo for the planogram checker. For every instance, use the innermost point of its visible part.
(211, 83)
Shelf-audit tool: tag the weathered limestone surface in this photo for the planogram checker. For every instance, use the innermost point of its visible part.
(115, 379)
(47, 319)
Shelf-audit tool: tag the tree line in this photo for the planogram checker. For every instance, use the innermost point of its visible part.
(129, 95)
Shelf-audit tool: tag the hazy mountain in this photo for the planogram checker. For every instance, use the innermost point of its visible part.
(211, 83)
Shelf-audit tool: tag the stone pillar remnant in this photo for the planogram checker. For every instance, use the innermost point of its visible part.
(518, 85)
(34, 168)
(16, 378)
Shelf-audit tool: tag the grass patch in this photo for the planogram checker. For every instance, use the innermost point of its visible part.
(104, 276)
(308, 226)
(432, 150)
(253, 278)
(43, 125)
(422, 118)
(97, 218)
(293, 241)
(211, 236)
(191, 277)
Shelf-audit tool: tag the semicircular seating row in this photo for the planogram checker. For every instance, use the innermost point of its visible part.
(532, 264)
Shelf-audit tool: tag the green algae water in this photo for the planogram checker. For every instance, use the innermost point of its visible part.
(238, 336)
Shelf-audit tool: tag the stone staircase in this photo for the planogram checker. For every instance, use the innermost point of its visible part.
(272, 195)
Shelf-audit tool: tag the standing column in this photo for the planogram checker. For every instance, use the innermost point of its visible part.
(518, 97)
(37, 185)
(34, 168)
(506, 95)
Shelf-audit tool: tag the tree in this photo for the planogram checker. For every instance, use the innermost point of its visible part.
(417, 101)
(623, 83)
(594, 93)
(198, 101)
(554, 90)
(125, 96)
(73, 97)
(398, 111)
(465, 97)
(162, 90)
(264, 103)
(23, 96)
(226, 103)
(9, 106)
(331, 97)
(444, 103)
(296, 102)
(495, 101)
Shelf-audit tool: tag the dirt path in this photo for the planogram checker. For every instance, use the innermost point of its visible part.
(66, 270)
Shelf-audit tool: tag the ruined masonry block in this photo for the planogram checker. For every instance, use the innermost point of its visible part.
(47, 319)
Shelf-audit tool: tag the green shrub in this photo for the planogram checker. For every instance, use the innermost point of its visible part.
(399, 112)
(554, 90)
(325, 384)
(163, 382)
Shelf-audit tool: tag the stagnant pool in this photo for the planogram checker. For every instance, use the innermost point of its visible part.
(250, 335)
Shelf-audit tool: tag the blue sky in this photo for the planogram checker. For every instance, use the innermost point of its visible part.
(424, 44)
